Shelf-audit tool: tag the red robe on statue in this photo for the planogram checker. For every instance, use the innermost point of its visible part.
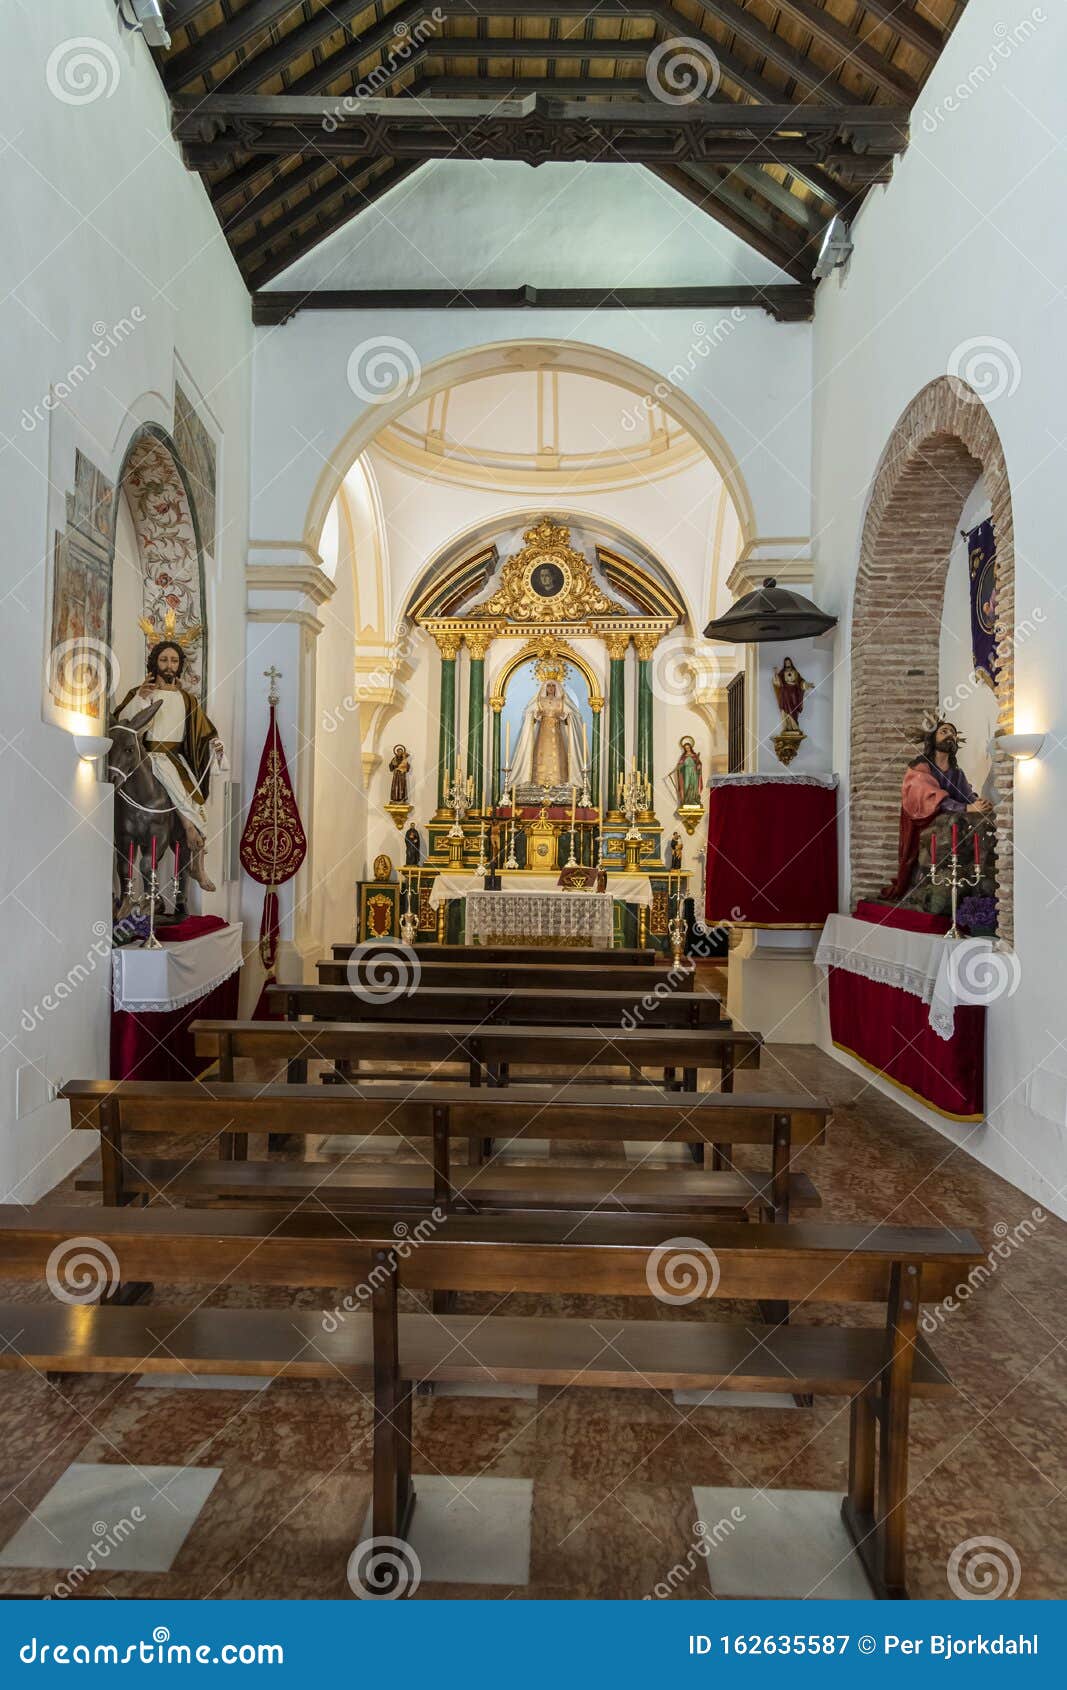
(925, 792)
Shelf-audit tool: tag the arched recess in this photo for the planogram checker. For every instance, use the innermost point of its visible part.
(156, 487)
(502, 357)
(518, 659)
(943, 441)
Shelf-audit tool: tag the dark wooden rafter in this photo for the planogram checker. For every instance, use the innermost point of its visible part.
(298, 245)
(785, 303)
(280, 186)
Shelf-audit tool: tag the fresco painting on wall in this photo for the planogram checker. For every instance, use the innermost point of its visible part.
(196, 449)
(78, 667)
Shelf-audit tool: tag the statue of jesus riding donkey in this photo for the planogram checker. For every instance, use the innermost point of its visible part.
(160, 762)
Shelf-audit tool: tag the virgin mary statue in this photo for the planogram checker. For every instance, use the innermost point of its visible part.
(549, 751)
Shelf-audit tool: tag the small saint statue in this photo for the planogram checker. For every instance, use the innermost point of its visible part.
(674, 860)
(789, 689)
(688, 774)
(399, 768)
(412, 847)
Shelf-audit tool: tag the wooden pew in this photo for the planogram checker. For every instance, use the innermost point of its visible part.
(213, 1111)
(528, 975)
(496, 1006)
(560, 956)
(879, 1370)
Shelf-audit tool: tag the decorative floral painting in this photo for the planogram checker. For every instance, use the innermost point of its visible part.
(78, 658)
(167, 542)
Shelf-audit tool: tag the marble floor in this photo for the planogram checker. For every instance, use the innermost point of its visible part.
(134, 1488)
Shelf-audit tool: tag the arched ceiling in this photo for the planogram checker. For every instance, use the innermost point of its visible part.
(538, 430)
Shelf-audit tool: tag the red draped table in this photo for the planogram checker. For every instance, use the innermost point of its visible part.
(156, 994)
(772, 850)
(906, 1002)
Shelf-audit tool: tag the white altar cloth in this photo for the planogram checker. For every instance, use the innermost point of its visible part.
(624, 888)
(155, 981)
(512, 916)
(939, 972)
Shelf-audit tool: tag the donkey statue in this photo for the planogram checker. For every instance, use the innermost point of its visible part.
(143, 809)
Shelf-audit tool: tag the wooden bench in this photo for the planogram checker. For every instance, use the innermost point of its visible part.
(528, 975)
(565, 956)
(497, 1006)
(228, 1112)
(878, 1369)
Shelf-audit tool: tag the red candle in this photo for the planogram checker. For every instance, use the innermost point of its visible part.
(153, 850)
(177, 861)
(955, 834)
(974, 836)
(933, 850)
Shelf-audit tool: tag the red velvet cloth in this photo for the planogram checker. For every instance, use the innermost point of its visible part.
(890, 1031)
(160, 1047)
(909, 921)
(772, 854)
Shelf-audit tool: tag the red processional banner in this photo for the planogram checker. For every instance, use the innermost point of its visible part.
(273, 844)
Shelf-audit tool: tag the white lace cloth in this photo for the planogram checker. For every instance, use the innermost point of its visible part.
(624, 888)
(940, 972)
(151, 982)
(502, 917)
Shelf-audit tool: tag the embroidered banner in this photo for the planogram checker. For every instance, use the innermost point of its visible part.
(982, 579)
(273, 844)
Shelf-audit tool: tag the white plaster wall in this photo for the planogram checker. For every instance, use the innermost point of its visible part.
(465, 223)
(100, 216)
(963, 252)
(750, 376)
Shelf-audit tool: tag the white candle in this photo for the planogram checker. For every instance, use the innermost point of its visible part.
(507, 745)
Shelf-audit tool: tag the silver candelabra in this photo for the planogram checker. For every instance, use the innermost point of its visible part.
(954, 878)
(458, 798)
(635, 796)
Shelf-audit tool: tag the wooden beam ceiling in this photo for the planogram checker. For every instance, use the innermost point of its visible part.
(786, 304)
(281, 182)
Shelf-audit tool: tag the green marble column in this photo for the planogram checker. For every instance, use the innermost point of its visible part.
(645, 645)
(616, 644)
(594, 761)
(494, 754)
(477, 645)
(448, 646)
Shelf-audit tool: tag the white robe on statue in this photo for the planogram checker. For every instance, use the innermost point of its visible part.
(531, 756)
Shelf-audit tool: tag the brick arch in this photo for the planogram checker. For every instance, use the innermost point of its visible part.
(943, 441)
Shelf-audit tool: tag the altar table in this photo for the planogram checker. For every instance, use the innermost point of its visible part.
(156, 994)
(622, 888)
(514, 917)
(910, 1005)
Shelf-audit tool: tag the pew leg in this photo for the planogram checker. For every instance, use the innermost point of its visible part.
(130, 1291)
(857, 1508)
(405, 1493)
(697, 1152)
(442, 1302)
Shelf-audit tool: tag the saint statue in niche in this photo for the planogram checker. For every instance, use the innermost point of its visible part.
(688, 773)
(549, 752)
(399, 768)
(789, 689)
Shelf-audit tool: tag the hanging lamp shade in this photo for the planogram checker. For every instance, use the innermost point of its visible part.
(770, 613)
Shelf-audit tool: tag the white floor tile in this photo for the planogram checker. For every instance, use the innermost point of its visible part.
(790, 1543)
(471, 1531)
(140, 1516)
(486, 1388)
(183, 1381)
(731, 1399)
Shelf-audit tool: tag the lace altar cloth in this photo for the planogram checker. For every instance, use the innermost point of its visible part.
(942, 973)
(568, 918)
(154, 982)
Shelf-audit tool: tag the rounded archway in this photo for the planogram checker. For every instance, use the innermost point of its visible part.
(505, 357)
(166, 553)
(942, 443)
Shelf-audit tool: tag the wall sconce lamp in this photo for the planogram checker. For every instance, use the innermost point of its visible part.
(1022, 747)
(93, 749)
